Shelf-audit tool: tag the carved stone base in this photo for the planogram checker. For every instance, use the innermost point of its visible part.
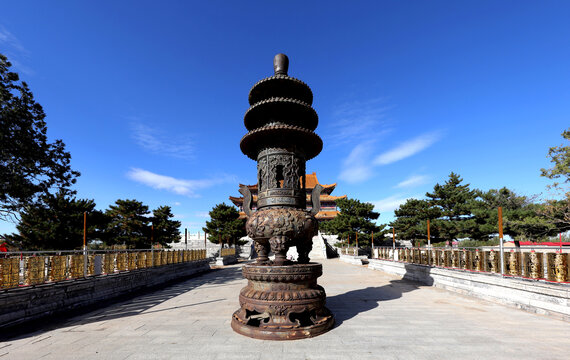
(282, 303)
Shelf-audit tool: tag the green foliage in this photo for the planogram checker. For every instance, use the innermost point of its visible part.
(411, 220)
(56, 223)
(354, 217)
(472, 243)
(521, 218)
(557, 211)
(166, 230)
(457, 212)
(30, 167)
(225, 225)
(128, 224)
(560, 157)
(453, 200)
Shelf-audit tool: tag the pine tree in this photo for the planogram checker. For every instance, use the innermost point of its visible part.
(225, 225)
(354, 217)
(166, 230)
(411, 221)
(31, 168)
(453, 200)
(129, 224)
(521, 218)
(56, 223)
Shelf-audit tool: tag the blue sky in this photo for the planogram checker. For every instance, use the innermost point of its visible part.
(149, 96)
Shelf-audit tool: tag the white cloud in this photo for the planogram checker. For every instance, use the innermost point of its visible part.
(357, 121)
(177, 203)
(356, 167)
(177, 186)
(407, 149)
(202, 214)
(155, 141)
(391, 203)
(414, 180)
(15, 51)
(9, 40)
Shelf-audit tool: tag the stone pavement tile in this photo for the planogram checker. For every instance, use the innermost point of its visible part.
(378, 316)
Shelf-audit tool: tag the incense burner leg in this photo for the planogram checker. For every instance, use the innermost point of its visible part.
(262, 250)
(279, 246)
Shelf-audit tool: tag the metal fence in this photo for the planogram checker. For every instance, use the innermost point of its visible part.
(33, 268)
(545, 264)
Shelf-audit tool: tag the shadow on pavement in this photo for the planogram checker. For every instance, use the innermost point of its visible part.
(127, 305)
(348, 305)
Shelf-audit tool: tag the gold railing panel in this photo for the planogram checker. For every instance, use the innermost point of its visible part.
(57, 268)
(148, 259)
(532, 263)
(91, 265)
(512, 263)
(132, 260)
(122, 261)
(169, 257)
(141, 260)
(423, 257)
(227, 252)
(434, 258)
(493, 262)
(109, 263)
(455, 258)
(9, 272)
(558, 267)
(466, 260)
(444, 258)
(35, 270)
(76, 266)
(477, 261)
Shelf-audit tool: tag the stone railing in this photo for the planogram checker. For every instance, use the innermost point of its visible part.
(544, 264)
(34, 268)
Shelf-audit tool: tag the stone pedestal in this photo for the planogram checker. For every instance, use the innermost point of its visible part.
(282, 303)
(225, 260)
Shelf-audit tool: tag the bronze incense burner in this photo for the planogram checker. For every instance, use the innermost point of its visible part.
(282, 300)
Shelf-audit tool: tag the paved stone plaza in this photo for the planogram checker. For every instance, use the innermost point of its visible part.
(378, 317)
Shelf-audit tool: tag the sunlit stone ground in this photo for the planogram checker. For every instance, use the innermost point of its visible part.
(378, 317)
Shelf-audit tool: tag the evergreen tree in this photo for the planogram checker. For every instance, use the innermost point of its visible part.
(558, 210)
(129, 224)
(166, 230)
(560, 157)
(30, 166)
(354, 217)
(56, 223)
(411, 221)
(453, 200)
(225, 225)
(521, 219)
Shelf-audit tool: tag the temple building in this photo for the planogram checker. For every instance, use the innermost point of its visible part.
(328, 201)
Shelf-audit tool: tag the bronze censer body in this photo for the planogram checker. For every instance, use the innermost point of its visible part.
(282, 300)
